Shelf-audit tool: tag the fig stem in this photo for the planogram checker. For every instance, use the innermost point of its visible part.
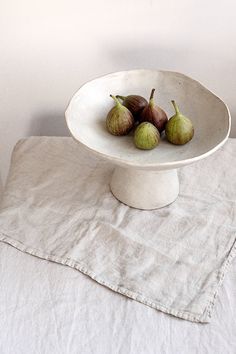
(152, 94)
(121, 97)
(151, 99)
(175, 107)
(115, 99)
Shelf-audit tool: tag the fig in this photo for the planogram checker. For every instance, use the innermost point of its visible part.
(179, 129)
(134, 103)
(154, 114)
(146, 136)
(119, 120)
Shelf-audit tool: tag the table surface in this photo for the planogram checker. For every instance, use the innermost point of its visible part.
(49, 308)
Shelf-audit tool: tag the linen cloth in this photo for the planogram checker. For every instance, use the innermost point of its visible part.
(47, 308)
(57, 205)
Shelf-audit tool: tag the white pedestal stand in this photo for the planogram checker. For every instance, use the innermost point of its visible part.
(144, 189)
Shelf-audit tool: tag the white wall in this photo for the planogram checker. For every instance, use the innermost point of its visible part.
(48, 48)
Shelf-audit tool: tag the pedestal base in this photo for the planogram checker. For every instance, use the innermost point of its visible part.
(144, 189)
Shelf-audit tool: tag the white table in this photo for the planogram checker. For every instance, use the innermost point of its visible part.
(48, 308)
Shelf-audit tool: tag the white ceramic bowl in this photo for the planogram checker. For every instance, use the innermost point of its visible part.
(86, 118)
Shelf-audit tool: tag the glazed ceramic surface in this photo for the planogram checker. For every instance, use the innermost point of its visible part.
(147, 179)
(87, 111)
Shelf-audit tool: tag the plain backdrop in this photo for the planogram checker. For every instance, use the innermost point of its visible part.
(49, 48)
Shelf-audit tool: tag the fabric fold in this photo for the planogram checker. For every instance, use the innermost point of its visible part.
(57, 205)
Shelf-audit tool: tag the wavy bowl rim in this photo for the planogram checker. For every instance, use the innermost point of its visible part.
(150, 166)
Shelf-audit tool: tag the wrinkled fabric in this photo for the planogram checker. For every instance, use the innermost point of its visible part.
(47, 308)
(57, 205)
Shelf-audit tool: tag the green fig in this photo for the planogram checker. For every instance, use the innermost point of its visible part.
(134, 103)
(179, 129)
(119, 120)
(146, 136)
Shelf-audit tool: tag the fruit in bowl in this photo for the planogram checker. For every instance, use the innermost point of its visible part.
(146, 136)
(152, 121)
(119, 120)
(179, 129)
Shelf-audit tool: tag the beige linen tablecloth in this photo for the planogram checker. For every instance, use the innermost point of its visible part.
(57, 206)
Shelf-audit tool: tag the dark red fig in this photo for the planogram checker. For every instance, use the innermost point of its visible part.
(134, 103)
(154, 114)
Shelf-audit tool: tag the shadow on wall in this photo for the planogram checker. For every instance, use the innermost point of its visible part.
(147, 57)
(214, 71)
(194, 61)
(48, 124)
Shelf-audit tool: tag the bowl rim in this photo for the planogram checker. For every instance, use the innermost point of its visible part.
(150, 166)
